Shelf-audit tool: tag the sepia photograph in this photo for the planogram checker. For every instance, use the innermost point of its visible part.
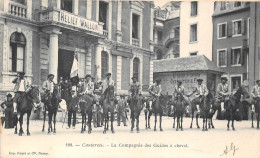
(129, 78)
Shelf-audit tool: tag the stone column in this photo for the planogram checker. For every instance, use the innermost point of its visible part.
(109, 20)
(119, 72)
(119, 19)
(98, 61)
(89, 9)
(53, 55)
(75, 7)
(97, 10)
(58, 4)
(151, 71)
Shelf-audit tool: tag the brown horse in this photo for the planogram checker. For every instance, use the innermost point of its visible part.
(232, 106)
(29, 100)
(179, 110)
(85, 104)
(136, 105)
(108, 107)
(257, 111)
(51, 105)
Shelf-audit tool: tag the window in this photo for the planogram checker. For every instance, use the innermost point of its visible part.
(20, 1)
(235, 82)
(194, 8)
(135, 26)
(66, 5)
(222, 30)
(238, 4)
(236, 55)
(193, 33)
(17, 50)
(104, 64)
(223, 5)
(136, 64)
(193, 53)
(103, 13)
(222, 58)
(237, 30)
(160, 34)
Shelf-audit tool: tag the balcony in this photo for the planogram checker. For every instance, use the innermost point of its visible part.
(135, 42)
(51, 16)
(17, 9)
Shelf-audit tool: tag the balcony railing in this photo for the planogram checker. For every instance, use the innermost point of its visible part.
(135, 42)
(105, 33)
(17, 9)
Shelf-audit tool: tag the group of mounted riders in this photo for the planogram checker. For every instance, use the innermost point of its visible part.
(85, 92)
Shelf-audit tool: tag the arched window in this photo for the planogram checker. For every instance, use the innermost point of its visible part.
(136, 65)
(104, 64)
(17, 52)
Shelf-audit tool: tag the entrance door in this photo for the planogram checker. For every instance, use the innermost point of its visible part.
(65, 63)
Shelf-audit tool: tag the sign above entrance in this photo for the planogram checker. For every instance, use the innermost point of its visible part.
(71, 20)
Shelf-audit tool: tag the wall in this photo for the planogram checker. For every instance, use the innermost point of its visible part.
(204, 34)
(146, 24)
(125, 78)
(146, 70)
(36, 58)
(125, 23)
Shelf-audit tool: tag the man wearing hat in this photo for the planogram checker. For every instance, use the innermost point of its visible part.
(155, 90)
(48, 87)
(21, 86)
(178, 89)
(222, 92)
(121, 110)
(201, 91)
(135, 83)
(255, 94)
(8, 110)
(72, 107)
(105, 84)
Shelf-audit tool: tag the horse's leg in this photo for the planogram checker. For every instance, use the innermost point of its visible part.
(28, 121)
(178, 120)
(192, 115)
(232, 117)
(155, 120)
(49, 121)
(15, 123)
(173, 126)
(44, 117)
(228, 121)
(206, 122)
(82, 122)
(21, 124)
(161, 122)
(54, 121)
(211, 120)
(252, 117)
(105, 117)
(181, 122)
(89, 121)
(132, 121)
(258, 117)
(137, 123)
(112, 120)
(197, 122)
(145, 115)
(149, 116)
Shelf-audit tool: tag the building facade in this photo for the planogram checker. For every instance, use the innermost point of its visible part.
(196, 28)
(231, 34)
(167, 31)
(40, 37)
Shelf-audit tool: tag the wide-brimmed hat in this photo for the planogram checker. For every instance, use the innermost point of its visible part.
(134, 77)
(88, 75)
(257, 81)
(199, 80)
(224, 78)
(9, 95)
(50, 75)
(108, 74)
(179, 81)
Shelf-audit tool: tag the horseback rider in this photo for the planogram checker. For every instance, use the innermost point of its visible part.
(88, 88)
(155, 90)
(201, 91)
(222, 92)
(178, 89)
(21, 86)
(256, 94)
(105, 84)
(135, 83)
(48, 87)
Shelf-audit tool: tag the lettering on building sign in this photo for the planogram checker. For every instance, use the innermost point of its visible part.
(79, 22)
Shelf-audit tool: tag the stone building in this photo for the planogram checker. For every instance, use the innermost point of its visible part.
(40, 37)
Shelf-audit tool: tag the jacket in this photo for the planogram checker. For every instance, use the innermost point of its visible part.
(18, 82)
(201, 90)
(105, 84)
(256, 91)
(222, 90)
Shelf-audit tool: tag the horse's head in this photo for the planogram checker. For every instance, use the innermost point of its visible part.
(179, 96)
(242, 91)
(134, 90)
(34, 94)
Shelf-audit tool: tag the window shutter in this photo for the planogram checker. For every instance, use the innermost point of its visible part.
(242, 56)
(229, 26)
(243, 27)
(231, 53)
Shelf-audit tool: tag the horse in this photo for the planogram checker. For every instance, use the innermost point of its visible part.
(205, 112)
(232, 105)
(51, 105)
(214, 106)
(158, 106)
(179, 110)
(28, 101)
(136, 105)
(109, 106)
(85, 105)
